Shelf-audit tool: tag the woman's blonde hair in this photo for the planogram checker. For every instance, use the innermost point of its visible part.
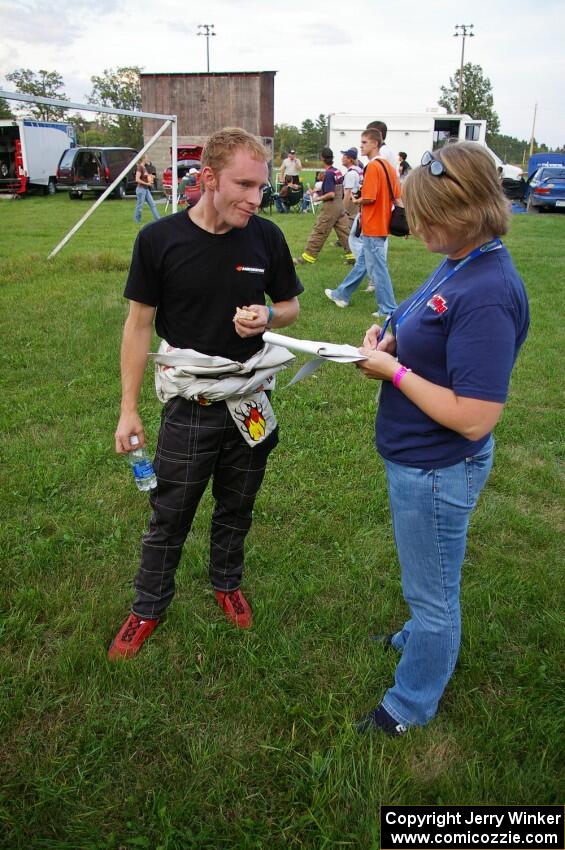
(467, 198)
(223, 144)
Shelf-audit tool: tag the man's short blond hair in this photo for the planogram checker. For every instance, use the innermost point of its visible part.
(374, 134)
(223, 144)
(466, 199)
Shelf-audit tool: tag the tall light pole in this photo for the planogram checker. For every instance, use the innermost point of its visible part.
(466, 31)
(207, 30)
(533, 136)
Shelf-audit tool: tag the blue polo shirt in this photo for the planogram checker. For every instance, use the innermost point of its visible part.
(332, 178)
(465, 336)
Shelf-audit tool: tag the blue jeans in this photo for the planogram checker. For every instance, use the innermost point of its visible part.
(355, 242)
(430, 511)
(350, 283)
(384, 296)
(142, 194)
(375, 251)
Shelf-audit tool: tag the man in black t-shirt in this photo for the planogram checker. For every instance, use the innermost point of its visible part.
(189, 274)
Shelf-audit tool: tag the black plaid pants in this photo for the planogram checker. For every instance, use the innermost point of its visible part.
(198, 443)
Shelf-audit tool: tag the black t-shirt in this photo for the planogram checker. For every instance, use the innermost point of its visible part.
(196, 280)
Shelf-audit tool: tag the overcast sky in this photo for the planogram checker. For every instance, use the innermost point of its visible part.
(367, 56)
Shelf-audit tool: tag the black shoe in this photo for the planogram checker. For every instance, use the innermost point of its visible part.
(385, 641)
(380, 720)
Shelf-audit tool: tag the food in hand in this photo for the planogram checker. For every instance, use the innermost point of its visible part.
(250, 315)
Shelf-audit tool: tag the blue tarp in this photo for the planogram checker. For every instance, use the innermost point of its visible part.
(539, 159)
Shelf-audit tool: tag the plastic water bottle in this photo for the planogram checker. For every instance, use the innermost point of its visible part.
(141, 465)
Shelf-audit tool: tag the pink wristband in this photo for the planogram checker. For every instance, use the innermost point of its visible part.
(398, 376)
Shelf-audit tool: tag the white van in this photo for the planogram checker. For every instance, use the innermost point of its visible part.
(413, 133)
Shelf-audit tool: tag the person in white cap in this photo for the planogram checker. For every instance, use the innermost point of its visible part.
(351, 182)
(290, 167)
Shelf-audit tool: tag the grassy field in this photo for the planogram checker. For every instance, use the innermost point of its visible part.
(216, 739)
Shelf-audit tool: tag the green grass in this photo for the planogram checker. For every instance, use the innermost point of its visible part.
(307, 175)
(216, 739)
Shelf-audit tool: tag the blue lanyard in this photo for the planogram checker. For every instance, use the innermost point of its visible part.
(429, 287)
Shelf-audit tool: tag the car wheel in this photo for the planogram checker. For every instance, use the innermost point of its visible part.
(51, 188)
(120, 191)
(4, 170)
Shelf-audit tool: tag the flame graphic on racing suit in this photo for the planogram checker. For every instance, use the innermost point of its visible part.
(250, 414)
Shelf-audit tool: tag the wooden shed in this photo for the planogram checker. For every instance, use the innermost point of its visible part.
(206, 102)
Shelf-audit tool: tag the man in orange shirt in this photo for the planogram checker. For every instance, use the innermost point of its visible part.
(376, 206)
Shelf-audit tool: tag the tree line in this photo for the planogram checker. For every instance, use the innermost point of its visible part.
(308, 139)
(121, 88)
(477, 100)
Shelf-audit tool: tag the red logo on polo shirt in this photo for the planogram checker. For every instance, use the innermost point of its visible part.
(437, 303)
(251, 269)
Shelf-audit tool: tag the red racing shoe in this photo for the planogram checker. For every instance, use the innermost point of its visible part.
(131, 637)
(236, 608)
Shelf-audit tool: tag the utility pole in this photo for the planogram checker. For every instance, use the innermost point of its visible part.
(207, 30)
(532, 137)
(466, 31)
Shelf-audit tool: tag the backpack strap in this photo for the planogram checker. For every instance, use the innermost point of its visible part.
(385, 169)
(337, 175)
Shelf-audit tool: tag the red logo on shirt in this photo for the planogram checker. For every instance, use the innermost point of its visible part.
(251, 269)
(437, 303)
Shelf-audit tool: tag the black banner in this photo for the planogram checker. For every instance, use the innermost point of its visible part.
(472, 827)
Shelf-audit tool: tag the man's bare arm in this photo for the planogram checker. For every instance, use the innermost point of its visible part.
(136, 343)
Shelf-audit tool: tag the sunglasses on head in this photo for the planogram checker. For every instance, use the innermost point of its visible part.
(436, 166)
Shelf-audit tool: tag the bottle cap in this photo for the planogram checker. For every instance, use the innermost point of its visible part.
(134, 440)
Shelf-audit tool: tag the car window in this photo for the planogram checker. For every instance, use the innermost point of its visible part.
(116, 157)
(552, 174)
(68, 158)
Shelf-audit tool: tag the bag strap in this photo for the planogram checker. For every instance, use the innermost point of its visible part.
(385, 169)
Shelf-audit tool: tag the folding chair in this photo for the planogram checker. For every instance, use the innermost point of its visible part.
(312, 204)
(294, 197)
(168, 192)
(267, 199)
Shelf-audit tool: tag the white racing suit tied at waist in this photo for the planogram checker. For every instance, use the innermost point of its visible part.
(204, 377)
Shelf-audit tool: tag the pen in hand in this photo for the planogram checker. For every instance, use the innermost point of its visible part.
(384, 329)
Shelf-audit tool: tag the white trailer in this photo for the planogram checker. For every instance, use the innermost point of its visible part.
(30, 152)
(413, 133)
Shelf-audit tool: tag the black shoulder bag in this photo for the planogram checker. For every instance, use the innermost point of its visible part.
(398, 225)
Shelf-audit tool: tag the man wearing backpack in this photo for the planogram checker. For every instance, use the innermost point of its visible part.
(332, 214)
(375, 206)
